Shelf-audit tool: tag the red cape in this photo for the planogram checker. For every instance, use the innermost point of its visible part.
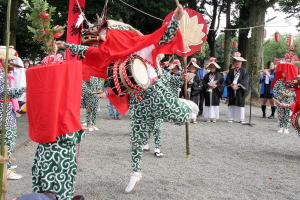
(290, 70)
(120, 44)
(53, 100)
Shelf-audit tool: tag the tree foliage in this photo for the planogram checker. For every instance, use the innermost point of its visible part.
(273, 49)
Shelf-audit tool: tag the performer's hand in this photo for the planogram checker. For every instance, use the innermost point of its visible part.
(60, 44)
(178, 12)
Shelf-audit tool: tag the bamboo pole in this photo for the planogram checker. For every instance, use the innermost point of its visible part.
(187, 136)
(3, 131)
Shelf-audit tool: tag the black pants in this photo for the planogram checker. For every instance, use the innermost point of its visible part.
(199, 100)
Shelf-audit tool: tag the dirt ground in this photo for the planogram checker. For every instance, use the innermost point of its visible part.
(228, 161)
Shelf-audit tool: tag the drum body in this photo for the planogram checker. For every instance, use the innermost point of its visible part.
(128, 75)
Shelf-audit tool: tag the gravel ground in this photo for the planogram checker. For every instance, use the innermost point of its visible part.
(228, 161)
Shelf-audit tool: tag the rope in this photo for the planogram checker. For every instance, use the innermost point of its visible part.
(141, 11)
(224, 29)
(82, 13)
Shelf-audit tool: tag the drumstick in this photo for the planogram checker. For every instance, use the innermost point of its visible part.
(177, 3)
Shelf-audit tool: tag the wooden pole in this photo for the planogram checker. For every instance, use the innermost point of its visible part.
(187, 137)
(3, 131)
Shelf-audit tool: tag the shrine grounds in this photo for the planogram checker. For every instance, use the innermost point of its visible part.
(228, 162)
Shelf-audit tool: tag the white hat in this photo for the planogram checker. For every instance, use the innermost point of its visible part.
(215, 64)
(194, 63)
(237, 56)
(175, 63)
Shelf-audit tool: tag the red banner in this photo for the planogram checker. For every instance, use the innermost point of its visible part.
(73, 33)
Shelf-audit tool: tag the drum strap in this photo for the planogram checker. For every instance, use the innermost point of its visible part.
(116, 80)
(122, 71)
(126, 77)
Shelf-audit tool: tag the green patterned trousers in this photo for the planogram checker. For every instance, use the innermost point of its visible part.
(156, 124)
(54, 167)
(91, 111)
(10, 141)
(157, 103)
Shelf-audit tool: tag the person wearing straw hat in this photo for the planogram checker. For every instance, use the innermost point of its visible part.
(213, 87)
(11, 123)
(194, 84)
(175, 67)
(237, 82)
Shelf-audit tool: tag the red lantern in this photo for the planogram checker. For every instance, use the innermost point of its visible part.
(234, 44)
(277, 36)
(290, 41)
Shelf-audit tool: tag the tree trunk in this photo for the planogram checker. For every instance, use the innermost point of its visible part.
(13, 21)
(255, 46)
(243, 22)
(227, 49)
(211, 37)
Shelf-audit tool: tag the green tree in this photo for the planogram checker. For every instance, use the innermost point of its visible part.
(273, 49)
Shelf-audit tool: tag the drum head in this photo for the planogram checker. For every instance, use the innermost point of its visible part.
(140, 74)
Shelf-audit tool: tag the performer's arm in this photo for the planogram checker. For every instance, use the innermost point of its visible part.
(170, 32)
(11, 92)
(76, 49)
(276, 90)
(15, 92)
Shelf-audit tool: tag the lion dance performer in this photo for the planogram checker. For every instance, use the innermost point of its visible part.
(57, 134)
(91, 100)
(295, 117)
(91, 87)
(155, 101)
(11, 123)
(173, 83)
(283, 95)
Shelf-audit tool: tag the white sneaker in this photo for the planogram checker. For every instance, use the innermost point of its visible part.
(13, 167)
(214, 121)
(96, 128)
(146, 147)
(157, 153)
(134, 179)
(230, 121)
(84, 124)
(13, 176)
(194, 121)
(91, 129)
(286, 131)
(280, 130)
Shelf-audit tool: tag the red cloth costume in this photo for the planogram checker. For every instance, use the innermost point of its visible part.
(53, 100)
(120, 44)
(290, 70)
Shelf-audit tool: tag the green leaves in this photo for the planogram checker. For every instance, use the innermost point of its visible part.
(39, 17)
